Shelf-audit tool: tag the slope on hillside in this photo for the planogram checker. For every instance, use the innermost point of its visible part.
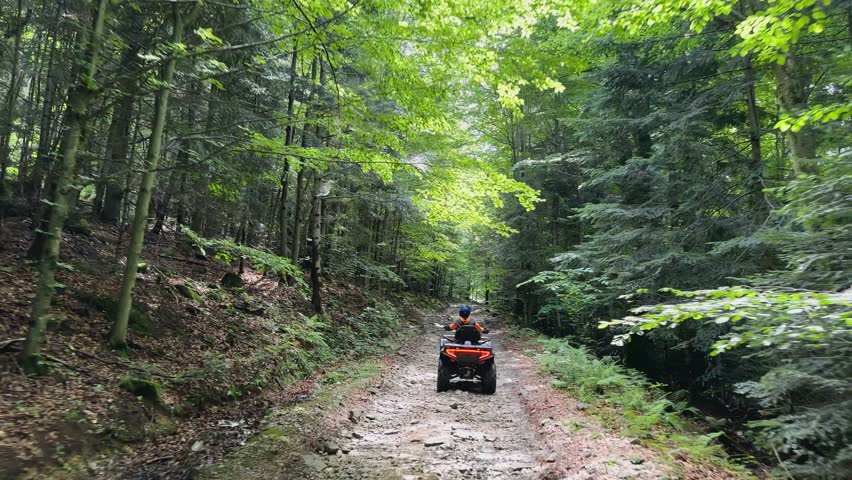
(195, 346)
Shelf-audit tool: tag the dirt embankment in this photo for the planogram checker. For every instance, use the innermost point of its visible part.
(401, 428)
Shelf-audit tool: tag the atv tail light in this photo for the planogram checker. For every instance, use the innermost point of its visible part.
(454, 353)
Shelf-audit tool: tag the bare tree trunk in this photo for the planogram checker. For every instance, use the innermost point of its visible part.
(26, 142)
(756, 164)
(118, 336)
(111, 191)
(83, 95)
(306, 141)
(162, 210)
(297, 213)
(283, 216)
(183, 159)
(128, 181)
(792, 81)
(46, 45)
(316, 240)
(42, 160)
(8, 116)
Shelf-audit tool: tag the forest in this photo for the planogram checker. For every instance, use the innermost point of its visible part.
(205, 200)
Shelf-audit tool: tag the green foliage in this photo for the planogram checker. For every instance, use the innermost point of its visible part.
(625, 399)
(770, 31)
(805, 339)
(813, 234)
(263, 261)
(574, 296)
(296, 347)
(375, 331)
(780, 320)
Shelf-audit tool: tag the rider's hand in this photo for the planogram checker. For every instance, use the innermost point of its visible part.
(447, 328)
(485, 330)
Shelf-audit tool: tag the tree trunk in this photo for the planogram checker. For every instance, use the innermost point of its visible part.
(112, 191)
(76, 114)
(183, 163)
(8, 116)
(756, 164)
(46, 124)
(128, 181)
(316, 240)
(46, 45)
(297, 213)
(162, 211)
(792, 81)
(26, 141)
(283, 217)
(118, 336)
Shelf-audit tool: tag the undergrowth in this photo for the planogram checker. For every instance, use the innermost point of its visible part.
(625, 401)
(297, 347)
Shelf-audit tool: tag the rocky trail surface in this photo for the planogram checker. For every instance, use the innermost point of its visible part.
(401, 428)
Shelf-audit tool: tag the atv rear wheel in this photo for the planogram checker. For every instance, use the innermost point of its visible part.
(443, 377)
(489, 380)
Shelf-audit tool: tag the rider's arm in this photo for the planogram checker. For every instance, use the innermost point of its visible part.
(479, 328)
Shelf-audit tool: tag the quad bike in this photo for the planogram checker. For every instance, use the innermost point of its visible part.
(466, 361)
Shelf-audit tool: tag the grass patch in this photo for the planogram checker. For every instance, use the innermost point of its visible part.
(626, 402)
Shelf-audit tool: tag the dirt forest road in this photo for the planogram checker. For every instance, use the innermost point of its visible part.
(525, 430)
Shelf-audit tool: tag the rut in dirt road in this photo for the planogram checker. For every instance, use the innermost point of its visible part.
(409, 431)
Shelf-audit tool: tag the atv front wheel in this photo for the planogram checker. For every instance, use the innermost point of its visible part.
(489, 380)
(443, 377)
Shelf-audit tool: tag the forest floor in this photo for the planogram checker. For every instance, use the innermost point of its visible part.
(399, 427)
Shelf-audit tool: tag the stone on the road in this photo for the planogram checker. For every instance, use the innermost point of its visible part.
(435, 441)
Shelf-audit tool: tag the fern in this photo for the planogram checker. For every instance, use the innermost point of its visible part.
(263, 261)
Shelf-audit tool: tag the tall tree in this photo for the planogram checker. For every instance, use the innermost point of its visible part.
(80, 99)
(118, 336)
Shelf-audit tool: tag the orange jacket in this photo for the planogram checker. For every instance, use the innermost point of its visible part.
(466, 321)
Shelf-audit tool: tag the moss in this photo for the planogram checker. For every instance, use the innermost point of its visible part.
(162, 425)
(141, 267)
(188, 292)
(232, 280)
(147, 389)
(138, 321)
(78, 226)
(275, 433)
(55, 321)
(34, 365)
(141, 323)
(183, 410)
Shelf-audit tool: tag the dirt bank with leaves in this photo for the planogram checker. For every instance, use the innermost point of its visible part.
(205, 363)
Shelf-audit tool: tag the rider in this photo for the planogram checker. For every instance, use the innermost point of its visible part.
(467, 329)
